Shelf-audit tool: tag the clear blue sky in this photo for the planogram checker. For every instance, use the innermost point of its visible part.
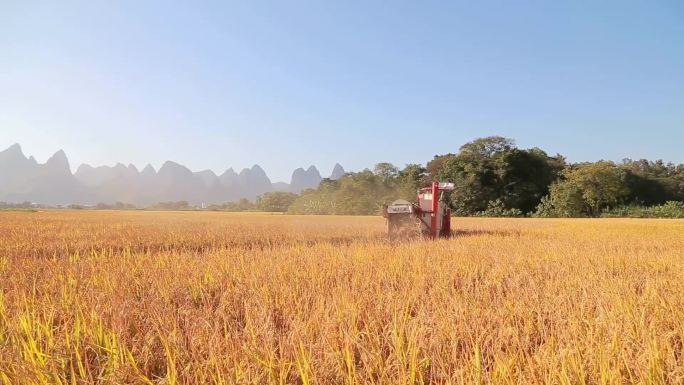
(288, 83)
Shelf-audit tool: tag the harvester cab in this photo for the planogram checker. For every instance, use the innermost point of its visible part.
(430, 217)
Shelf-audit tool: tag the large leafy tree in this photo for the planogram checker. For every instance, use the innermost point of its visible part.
(361, 193)
(586, 190)
(409, 180)
(386, 171)
(492, 169)
(434, 167)
(525, 176)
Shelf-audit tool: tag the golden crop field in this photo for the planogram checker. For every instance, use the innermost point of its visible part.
(93, 297)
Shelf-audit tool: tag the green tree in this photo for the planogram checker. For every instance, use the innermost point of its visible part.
(652, 183)
(409, 180)
(525, 176)
(318, 201)
(362, 193)
(386, 171)
(276, 201)
(564, 200)
(586, 190)
(492, 169)
(434, 167)
(486, 148)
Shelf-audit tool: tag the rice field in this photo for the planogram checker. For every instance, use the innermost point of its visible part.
(96, 297)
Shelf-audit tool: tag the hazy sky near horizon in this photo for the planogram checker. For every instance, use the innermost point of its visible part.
(288, 84)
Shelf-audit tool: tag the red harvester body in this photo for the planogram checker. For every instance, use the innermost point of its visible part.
(431, 215)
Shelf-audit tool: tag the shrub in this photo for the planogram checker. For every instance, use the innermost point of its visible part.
(671, 209)
(276, 201)
(496, 208)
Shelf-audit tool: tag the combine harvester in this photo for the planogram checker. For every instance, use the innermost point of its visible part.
(430, 217)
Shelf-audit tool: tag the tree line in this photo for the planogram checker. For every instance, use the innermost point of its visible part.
(493, 177)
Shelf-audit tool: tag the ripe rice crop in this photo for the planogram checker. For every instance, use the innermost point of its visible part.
(96, 297)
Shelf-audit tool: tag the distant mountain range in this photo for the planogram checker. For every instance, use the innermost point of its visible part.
(52, 183)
